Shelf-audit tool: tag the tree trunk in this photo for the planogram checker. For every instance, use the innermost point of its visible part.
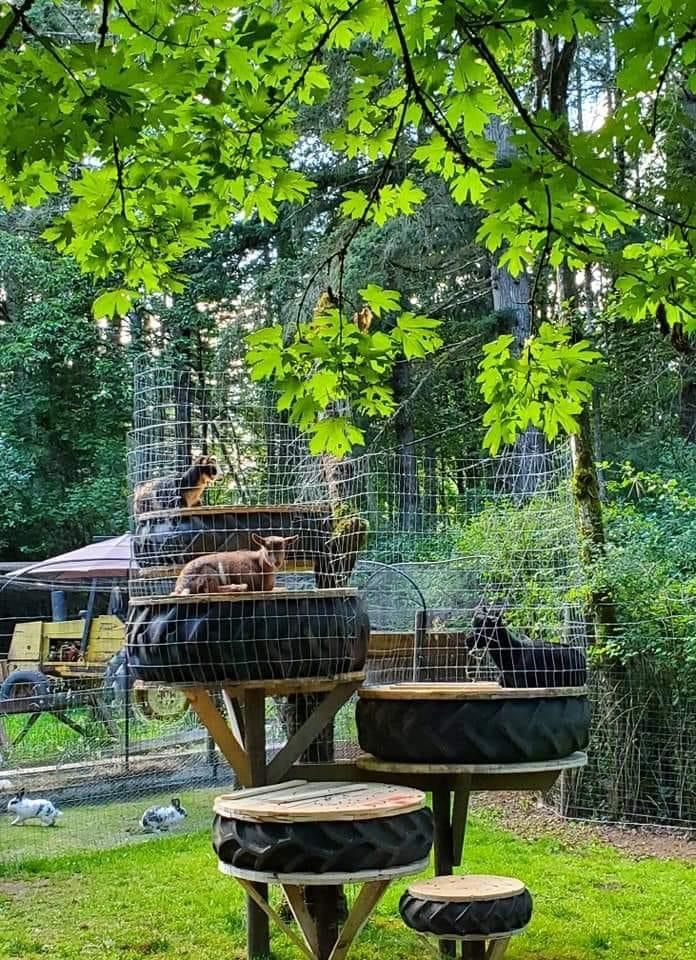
(687, 401)
(527, 465)
(586, 487)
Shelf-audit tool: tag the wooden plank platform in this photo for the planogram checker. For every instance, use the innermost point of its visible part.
(466, 888)
(239, 508)
(311, 802)
(324, 879)
(271, 687)
(241, 595)
(474, 690)
(571, 762)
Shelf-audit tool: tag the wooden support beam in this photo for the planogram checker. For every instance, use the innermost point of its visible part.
(295, 898)
(204, 705)
(496, 948)
(310, 730)
(268, 911)
(235, 716)
(258, 938)
(444, 854)
(460, 812)
(473, 950)
(367, 900)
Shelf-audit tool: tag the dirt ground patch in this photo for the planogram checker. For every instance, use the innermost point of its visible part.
(21, 888)
(526, 816)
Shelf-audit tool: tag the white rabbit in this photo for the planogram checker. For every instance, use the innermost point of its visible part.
(24, 808)
(162, 818)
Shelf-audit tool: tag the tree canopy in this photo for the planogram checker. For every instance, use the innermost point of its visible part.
(158, 125)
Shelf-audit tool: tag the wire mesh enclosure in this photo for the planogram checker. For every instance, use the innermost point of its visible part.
(249, 552)
(469, 575)
(243, 543)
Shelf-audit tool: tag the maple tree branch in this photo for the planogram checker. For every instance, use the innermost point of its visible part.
(689, 35)
(545, 252)
(104, 24)
(147, 31)
(17, 15)
(51, 50)
(120, 185)
(561, 155)
(442, 128)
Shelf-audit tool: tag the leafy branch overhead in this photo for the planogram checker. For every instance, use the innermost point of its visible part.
(547, 386)
(163, 125)
(331, 360)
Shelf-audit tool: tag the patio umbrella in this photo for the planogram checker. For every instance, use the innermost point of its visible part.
(106, 558)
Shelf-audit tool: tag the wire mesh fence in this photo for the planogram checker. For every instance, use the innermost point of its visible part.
(250, 558)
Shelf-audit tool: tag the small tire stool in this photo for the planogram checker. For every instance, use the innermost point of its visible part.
(482, 911)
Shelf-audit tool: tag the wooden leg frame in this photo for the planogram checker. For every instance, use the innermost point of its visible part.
(491, 949)
(232, 731)
(239, 730)
(308, 938)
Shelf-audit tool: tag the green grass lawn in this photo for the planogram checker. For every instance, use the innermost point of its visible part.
(50, 741)
(164, 899)
(83, 827)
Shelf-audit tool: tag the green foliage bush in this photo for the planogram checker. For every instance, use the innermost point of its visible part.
(650, 568)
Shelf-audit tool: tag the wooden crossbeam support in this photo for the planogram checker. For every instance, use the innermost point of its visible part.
(460, 812)
(310, 730)
(235, 716)
(308, 927)
(367, 900)
(235, 754)
(252, 893)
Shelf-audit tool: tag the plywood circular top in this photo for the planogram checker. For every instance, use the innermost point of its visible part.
(483, 690)
(292, 565)
(270, 687)
(280, 593)
(574, 760)
(301, 800)
(467, 888)
(238, 508)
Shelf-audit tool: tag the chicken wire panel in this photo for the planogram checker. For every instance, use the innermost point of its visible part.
(101, 753)
(243, 542)
(642, 760)
(470, 573)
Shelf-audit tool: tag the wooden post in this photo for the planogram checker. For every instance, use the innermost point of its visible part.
(460, 812)
(473, 949)
(258, 938)
(444, 853)
(322, 903)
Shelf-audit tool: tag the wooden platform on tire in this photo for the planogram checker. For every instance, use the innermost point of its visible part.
(466, 888)
(212, 508)
(280, 593)
(366, 761)
(481, 690)
(276, 687)
(302, 800)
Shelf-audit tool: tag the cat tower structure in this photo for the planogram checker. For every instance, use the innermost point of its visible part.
(317, 811)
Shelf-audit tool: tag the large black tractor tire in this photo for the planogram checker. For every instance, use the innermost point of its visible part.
(473, 731)
(321, 847)
(274, 637)
(482, 917)
(32, 684)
